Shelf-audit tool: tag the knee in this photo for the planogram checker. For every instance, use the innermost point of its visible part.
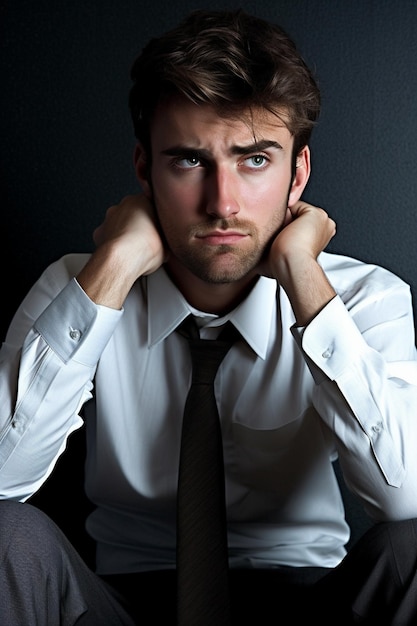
(395, 534)
(395, 543)
(24, 526)
(14, 514)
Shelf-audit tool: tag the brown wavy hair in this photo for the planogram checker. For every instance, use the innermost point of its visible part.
(231, 60)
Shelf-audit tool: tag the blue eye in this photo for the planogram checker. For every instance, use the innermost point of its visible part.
(188, 162)
(256, 161)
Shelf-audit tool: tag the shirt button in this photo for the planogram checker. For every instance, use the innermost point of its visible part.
(377, 427)
(327, 354)
(75, 334)
(16, 425)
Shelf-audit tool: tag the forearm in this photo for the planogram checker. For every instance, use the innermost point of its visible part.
(365, 369)
(47, 366)
(35, 428)
(106, 278)
(128, 246)
(306, 285)
(376, 450)
(293, 260)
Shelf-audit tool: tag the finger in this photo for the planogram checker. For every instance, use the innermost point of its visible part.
(296, 208)
(288, 217)
(97, 235)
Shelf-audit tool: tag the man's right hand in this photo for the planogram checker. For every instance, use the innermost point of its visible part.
(128, 246)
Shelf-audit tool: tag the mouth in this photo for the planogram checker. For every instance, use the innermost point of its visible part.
(222, 237)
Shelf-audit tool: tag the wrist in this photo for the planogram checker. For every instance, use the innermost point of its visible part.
(109, 275)
(306, 286)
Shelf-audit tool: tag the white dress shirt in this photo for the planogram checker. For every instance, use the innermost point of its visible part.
(290, 401)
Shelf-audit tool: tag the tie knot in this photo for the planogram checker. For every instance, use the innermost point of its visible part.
(207, 354)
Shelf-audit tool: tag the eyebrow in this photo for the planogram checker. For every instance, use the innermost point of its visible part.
(256, 146)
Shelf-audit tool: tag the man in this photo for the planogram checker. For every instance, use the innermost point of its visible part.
(325, 365)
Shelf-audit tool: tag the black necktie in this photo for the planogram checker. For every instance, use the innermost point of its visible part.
(202, 560)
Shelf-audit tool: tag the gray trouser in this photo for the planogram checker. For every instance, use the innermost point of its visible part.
(44, 582)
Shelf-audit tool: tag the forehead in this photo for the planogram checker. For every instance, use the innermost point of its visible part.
(185, 121)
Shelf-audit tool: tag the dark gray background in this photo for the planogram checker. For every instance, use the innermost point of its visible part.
(67, 142)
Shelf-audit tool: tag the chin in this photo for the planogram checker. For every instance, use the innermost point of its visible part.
(223, 275)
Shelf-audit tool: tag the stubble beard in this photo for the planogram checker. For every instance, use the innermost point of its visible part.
(224, 265)
(220, 264)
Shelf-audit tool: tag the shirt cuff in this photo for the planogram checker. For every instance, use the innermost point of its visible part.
(330, 341)
(75, 327)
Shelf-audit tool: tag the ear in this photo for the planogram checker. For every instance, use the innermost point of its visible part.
(141, 165)
(302, 174)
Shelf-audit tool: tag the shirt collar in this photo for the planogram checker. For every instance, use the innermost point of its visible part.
(252, 317)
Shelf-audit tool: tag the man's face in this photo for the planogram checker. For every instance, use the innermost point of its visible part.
(220, 188)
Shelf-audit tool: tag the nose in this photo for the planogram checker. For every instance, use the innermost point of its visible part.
(222, 193)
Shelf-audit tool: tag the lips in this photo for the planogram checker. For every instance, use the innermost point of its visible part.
(222, 237)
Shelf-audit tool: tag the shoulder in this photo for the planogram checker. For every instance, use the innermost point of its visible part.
(346, 270)
(353, 278)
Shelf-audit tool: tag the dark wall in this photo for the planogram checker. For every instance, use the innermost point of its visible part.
(66, 140)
